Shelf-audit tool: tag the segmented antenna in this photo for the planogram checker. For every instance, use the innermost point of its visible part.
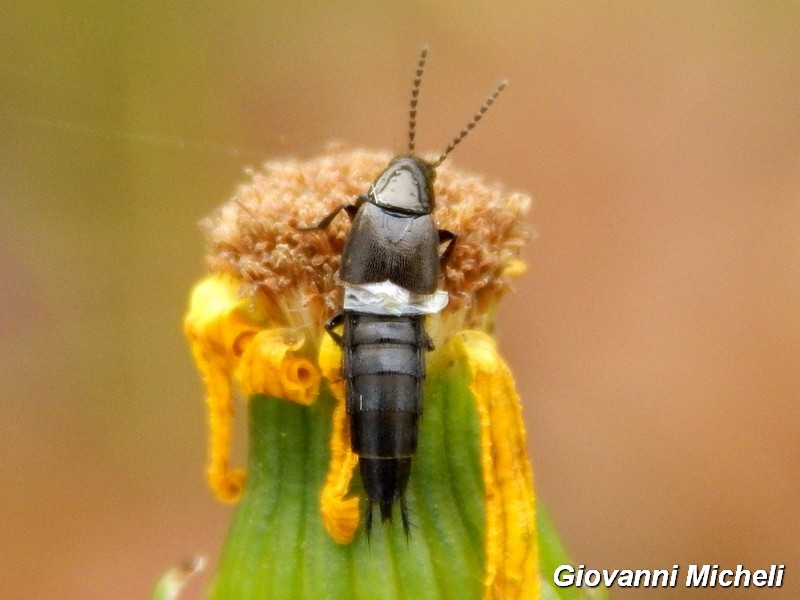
(478, 115)
(412, 113)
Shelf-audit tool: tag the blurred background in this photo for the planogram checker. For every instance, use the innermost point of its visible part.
(656, 335)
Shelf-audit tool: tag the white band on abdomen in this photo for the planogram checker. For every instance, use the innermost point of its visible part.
(387, 298)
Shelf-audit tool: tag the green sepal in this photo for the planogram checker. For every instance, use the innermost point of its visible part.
(277, 546)
(551, 556)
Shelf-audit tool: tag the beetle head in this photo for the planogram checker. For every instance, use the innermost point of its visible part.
(406, 186)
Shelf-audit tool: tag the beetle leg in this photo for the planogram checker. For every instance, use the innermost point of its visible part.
(404, 517)
(350, 209)
(427, 342)
(331, 324)
(449, 238)
(368, 520)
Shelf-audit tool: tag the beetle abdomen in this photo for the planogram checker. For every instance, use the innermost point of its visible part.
(384, 367)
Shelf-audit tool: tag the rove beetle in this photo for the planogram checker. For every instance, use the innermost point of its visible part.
(390, 270)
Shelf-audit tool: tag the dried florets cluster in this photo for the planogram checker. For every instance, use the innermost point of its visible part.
(257, 236)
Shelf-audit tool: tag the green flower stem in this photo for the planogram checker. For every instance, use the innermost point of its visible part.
(278, 548)
(551, 556)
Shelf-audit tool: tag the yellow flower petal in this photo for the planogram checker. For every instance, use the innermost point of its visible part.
(267, 366)
(218, 318)
(330, 364)
(214, 327)
(340, 514)
(511, 549)
(227, 338)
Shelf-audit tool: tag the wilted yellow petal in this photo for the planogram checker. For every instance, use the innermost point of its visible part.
(214, 326)
(268, 366)
(330, 364)
(340, 513)
(511, 550)
(227, 337)
(218, 318)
